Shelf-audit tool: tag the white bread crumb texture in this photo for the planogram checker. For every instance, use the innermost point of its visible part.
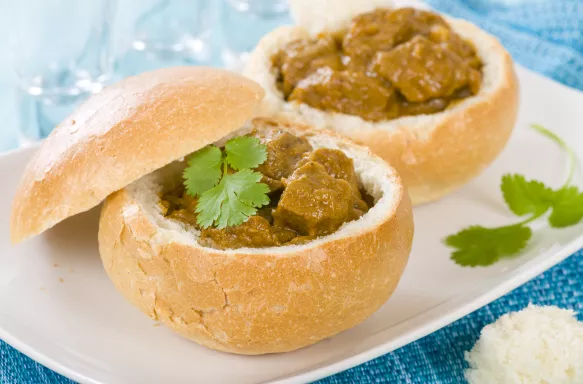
(537, 345)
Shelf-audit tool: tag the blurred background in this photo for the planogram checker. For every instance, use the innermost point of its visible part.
(56, 53)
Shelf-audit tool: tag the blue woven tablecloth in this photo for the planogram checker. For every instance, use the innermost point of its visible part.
(544, 35)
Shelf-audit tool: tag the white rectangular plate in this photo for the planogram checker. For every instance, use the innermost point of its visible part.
(59, 308)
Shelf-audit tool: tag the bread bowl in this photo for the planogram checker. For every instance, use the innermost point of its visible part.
(244, 300)
(434, 153)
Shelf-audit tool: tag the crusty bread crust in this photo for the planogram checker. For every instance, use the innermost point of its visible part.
(434, 154)
(265, 300)
(126, 131)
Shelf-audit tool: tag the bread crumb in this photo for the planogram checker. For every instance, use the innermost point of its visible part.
(42, 288)
(156, 325)
(61, 280)
(56, 265)
(537, 345)
(71, 270)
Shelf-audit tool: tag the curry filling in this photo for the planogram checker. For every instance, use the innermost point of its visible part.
(386, 65)
(313, 192)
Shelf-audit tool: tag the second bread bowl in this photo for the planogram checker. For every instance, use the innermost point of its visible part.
(436, 145)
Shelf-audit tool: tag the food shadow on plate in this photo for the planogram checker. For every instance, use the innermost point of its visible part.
(74, 240)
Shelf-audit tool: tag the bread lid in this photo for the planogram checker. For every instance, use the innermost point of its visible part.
(128, 130)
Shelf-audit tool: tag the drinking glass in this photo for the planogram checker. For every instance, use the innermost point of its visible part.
(60, 51)
(244, 22)
(261, 7)
(60, 48)
(168, 33)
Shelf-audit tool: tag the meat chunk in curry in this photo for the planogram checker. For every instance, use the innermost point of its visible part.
(422, 70)
(315, 203)
(335, 162)
(284, 151)
(383, 29)
(302, 58)
(339, 166)
(345, 92)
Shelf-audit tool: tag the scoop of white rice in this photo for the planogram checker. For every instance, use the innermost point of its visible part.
(538, 345)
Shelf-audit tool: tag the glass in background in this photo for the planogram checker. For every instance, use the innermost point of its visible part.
(60, 51)
(168, 33)
(244, 22)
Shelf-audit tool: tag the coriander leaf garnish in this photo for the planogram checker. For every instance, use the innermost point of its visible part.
(481, 246)
(227, 199)
(524, 197)
(252, 192)
(245, 152)
(567, 207)
(203, 171)
(209, 205)
(233, 200)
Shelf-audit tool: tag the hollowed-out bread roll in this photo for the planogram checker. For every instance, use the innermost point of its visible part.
(433, 153)
(258, 300)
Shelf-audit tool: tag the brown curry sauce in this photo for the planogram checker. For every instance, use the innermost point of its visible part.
(313, 193)
(389, 63)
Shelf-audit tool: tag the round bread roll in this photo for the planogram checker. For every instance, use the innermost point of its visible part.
(257, 300)
(434, 154)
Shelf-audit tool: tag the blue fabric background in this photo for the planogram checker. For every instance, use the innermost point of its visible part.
(546, 36)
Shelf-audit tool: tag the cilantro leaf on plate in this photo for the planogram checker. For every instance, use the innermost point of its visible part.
(480, 246)
(233, 200)
(567, 207)
(203, 171)
(245, 152)
(525, 197)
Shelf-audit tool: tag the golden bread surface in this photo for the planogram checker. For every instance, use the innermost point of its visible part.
(124, 132)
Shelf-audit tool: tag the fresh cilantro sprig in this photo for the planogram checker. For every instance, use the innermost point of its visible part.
(227, 199)
(481, 246)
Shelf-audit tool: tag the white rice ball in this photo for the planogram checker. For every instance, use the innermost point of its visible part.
(538, 345)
